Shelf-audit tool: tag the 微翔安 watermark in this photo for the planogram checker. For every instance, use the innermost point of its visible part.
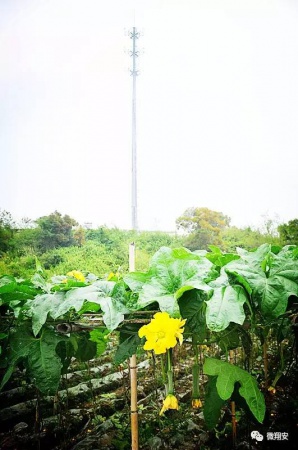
(270, 436)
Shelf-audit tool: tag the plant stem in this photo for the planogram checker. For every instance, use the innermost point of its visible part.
(234, 425)
(170, 373)
(195, 381)
(233, 407)
(195, 370)
(164, 374)
(195, 348)
(265, 360)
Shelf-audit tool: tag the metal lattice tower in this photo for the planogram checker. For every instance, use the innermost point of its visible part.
(134, 35)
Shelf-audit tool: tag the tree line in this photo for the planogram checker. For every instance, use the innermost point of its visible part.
(58, 243)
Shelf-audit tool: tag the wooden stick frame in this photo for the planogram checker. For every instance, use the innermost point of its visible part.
(133, 375)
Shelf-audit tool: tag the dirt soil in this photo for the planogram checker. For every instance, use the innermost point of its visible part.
(92, 411)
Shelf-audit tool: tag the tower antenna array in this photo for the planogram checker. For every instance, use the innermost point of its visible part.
(134, 53)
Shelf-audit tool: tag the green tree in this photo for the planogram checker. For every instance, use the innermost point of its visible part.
(25, 241)
(203, 227)
(289, 232)
(7, 226)
(151, 241)
(247, 238)
(55, 231)
(79, 236)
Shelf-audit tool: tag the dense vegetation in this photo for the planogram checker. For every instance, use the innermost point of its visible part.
(59, 244)
(236, 312)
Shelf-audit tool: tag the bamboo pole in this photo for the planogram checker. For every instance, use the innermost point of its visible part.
(134, 403)
(133, 375)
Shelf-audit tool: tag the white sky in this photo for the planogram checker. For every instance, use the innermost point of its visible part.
(217, 109)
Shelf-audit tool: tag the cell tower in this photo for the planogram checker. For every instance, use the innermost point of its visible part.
(134, 53)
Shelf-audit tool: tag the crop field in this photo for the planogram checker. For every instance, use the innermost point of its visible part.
(215, 339)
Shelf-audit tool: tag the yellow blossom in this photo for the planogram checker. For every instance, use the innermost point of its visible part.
(76, 274)
(204, 347)
(112, 276)
(196, 403)
(272, 390)
(170, 402)
(162, 332)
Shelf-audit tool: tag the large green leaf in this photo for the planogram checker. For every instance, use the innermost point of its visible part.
(85, 348)
(12, 290)
(126, 349)
(227, 375)
(108, 294)
(271, 278)
(7, 284)
(218, 258)
(75, 297)
(193, 308)
(172, 272)
(229, 338)
(19, 295)
(17, 351)
(289, 251)
(128, 342)
(89, 307)
(113, 311)
(7, 375)
(39, 282)
(225, 306)
(136, 280)
(58, 304)
(40, 357)
(99, 336)
(65, 350)
(44, 365)
(213, 404)
(43, 305)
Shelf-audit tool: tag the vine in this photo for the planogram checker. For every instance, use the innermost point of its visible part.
(230, 300)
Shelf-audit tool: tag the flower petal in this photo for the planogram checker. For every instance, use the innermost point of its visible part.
(162, 332)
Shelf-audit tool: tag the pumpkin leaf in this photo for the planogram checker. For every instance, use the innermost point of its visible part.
(225, 306)
(227, 375)
(172, 272)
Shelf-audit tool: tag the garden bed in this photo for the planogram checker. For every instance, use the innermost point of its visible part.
(92, 411)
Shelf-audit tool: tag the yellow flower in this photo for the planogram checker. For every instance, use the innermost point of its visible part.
(113, 276)
(204, 347)
(196, 403)
(170, 402)
(162, 332)
(76, 274)
(272, 390)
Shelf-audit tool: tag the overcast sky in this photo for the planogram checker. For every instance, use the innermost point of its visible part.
(217, 109)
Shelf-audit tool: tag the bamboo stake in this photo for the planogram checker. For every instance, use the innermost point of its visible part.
(133, 375)
(132, 257)
(134, 403)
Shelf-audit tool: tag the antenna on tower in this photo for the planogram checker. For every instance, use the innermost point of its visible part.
(134, 54)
